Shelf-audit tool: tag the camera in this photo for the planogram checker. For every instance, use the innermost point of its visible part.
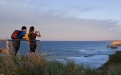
(36, 31)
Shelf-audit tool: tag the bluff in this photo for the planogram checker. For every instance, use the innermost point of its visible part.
(114, 59)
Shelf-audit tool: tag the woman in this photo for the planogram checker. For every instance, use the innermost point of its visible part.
(32, 37)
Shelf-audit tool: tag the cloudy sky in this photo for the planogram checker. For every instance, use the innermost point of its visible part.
(75, 20)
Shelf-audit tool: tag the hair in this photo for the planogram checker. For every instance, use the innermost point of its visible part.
(31, 29)
(24, 27)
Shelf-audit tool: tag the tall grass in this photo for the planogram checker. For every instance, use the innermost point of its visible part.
(37, 65)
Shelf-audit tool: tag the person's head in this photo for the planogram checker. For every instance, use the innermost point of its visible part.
(24, 28)
(31, 29)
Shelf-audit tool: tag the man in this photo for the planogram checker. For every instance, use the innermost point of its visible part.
(16, 42)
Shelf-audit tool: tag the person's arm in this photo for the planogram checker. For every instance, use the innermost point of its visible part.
(38, 34)
(23, 35)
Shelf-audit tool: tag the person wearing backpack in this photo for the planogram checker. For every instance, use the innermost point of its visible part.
(16, 36)
(32, 37)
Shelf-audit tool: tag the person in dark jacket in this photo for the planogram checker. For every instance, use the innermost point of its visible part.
(16, 42)
(32, 37)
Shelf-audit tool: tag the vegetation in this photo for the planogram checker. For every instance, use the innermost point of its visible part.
(37, 65)
(113, 65)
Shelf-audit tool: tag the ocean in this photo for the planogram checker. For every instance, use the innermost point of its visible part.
(93, 53)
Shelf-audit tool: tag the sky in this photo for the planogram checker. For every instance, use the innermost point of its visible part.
(63, 20)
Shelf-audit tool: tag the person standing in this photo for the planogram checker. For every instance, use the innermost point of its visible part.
(32, 37)
(18, 36)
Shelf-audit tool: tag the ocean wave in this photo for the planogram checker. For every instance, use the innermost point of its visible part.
(94, 60)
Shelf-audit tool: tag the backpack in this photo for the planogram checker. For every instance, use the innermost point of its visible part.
(27, 36)
(15, 34)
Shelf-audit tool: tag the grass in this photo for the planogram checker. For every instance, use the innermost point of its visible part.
(114, 69)
(37, 65)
